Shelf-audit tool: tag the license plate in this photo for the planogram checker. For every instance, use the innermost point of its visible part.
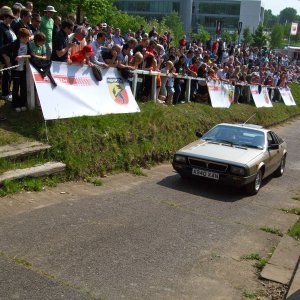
(206, 174)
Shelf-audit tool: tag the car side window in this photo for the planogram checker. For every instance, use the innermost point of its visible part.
(279, 139)
(271, 140)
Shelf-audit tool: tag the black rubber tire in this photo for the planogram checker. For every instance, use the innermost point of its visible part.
(253, 187)
(280, 170)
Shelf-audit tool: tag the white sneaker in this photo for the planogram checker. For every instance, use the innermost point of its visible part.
(7, 98)
(23, 108)
(18, 109)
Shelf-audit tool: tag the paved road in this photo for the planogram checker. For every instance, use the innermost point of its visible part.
(147, 237)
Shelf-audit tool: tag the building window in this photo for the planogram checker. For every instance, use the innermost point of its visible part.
(219, 8)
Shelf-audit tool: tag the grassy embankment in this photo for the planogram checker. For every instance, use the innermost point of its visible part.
(94, 146)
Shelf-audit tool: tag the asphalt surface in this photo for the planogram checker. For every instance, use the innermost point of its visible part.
(148, 237)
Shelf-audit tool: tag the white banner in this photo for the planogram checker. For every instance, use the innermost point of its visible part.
(287, 96)
(79, 94)
(221, 94)
(294, 28)
(261, 98)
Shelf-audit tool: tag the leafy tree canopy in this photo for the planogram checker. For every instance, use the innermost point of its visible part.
(259, 37)
(247, 36)
(277, 36)
(288, 15)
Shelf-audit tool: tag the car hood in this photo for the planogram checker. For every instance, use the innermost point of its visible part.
(220, 152)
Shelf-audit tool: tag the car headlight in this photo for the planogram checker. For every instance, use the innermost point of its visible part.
(180, 158)
(237, 170)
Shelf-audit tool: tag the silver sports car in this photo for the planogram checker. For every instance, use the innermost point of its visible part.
(237, 154)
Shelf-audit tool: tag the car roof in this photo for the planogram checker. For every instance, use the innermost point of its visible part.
(250, 126)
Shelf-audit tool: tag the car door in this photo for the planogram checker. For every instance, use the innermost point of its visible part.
(274, 155)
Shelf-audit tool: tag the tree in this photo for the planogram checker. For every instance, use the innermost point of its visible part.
(259, 37)
(126, 22)
(288, 15)
(226, 36)
(95, 10)
(277, 36)
(202, 35)
(269, 19)
(247, 36)
(173, 21)
(234, 37)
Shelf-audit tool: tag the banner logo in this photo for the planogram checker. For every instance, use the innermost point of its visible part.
(117, 90)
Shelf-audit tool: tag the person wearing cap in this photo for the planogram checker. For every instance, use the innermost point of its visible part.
(46, 27)
(83, 55)
(7, 36)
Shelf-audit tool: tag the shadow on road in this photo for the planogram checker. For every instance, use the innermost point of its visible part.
(207, 189)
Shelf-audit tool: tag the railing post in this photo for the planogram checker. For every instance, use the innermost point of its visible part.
(134, 84)
(153, 92)
(30, 87)
(188, 90)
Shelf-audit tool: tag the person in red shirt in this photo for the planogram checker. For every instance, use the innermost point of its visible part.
(83, 55)
(215, 47)
(193, 71)
(182, 42)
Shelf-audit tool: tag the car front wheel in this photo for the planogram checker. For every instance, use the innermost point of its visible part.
(280, 170)
(253, 187)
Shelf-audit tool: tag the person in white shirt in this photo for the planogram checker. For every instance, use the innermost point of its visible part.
(78, 39)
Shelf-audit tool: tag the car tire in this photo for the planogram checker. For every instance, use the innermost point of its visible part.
(253, 187)
(280, 170)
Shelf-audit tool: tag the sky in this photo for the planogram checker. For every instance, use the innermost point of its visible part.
(278, 5)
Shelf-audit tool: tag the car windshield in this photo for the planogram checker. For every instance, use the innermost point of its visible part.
(238, 136)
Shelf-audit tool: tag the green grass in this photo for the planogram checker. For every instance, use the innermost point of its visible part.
(252, 256)
(272, 230)
(295, 231)
(260, 261)
(251, 294)
(95, 181)
(296, 198)
(96, 146)
(30, 184)
(295, 211)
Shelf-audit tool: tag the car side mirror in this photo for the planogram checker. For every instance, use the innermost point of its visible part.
(199, 134)
(274, 147)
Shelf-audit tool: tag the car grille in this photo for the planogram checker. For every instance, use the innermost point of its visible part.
(209, 165)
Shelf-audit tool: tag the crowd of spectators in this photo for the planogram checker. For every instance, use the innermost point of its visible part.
(25, 33)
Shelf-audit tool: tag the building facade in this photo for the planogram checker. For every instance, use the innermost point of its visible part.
(195, 13)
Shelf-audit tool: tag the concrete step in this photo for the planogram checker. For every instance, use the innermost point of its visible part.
(37, 171)
(20, 150)
(294, 290)
(283, 262)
